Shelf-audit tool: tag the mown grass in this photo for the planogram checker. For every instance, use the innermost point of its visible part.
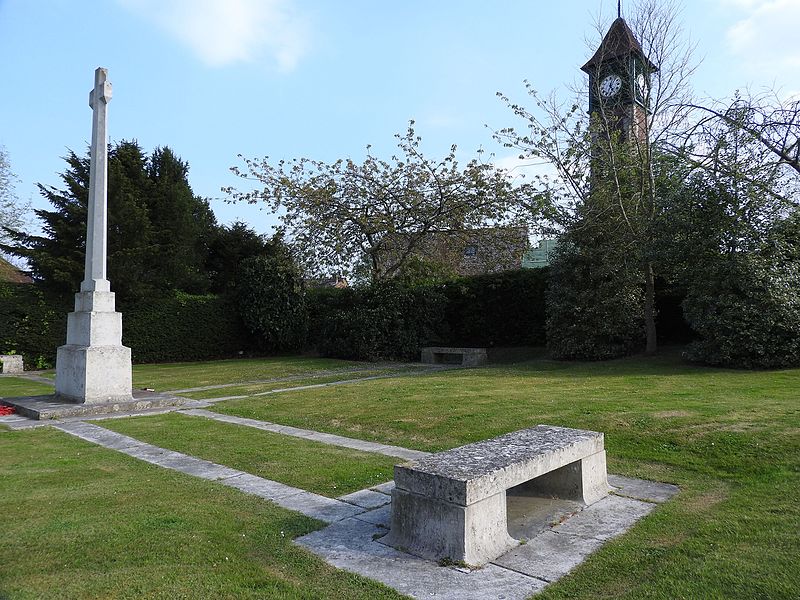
(328, 470)
(80, 521)
(178, 376)
(300, 381)
(730, 439)
(11, 387)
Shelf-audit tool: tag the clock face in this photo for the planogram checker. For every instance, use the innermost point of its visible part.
(610, 86)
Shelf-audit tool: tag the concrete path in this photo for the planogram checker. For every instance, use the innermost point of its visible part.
(325, 438)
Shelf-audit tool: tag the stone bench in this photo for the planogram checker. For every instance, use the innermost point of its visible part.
(466, 357)
(453, 504)
(11, 363)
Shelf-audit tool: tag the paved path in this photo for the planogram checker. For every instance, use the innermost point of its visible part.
(312, 505)
(325, 438)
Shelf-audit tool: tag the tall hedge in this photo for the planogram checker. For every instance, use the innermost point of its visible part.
(185, 327)
(499, 309)
(271, 301)
(383, 321)
(31, 325)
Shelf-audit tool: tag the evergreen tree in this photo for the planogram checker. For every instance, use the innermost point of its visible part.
(158, 230)
(229, 246)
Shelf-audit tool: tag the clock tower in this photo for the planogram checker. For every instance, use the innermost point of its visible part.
(619, 82)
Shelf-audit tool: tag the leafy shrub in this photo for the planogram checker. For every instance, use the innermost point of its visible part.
(746, 312)
(31, 325)
(271, 299)
(594, 302)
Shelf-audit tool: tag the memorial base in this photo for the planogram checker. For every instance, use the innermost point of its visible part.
(93, 366)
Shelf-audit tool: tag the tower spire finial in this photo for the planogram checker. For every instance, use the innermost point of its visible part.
(619, 8)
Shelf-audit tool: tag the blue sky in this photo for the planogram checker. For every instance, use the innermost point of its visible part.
(324, 78)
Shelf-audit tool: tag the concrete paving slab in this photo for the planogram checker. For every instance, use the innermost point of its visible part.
(366, 499)
(606, 519)
(549, 555)
(99, 435)
(349, 545)
(639, 489)
(384, 488)
(380, 516)
(197, 467)
(258, 486)
(319, 507)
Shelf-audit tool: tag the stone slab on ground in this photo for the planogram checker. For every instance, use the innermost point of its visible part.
(349, 545)
(52, 407)
(366, 499)
(639, 489)
(354, 545)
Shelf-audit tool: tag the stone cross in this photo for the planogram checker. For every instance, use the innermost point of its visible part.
(96, 223)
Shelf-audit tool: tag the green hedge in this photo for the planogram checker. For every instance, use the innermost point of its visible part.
(30, 325)
(383, 321)
(183, 328)
(496, 310)
(179, 328)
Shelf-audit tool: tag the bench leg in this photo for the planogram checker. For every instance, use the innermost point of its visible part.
(584, 480)
(436, 530)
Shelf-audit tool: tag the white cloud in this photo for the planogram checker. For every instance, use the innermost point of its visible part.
(766, 37)
(224, 32)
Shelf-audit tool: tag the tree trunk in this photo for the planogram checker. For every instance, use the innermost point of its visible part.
(650, 309)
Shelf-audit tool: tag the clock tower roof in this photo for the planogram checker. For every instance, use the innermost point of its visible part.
(619, 41)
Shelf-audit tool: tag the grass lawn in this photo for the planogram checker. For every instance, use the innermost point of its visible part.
(104, 525)
(730, 439)
(177, 376)
(259, 388)
(18, 386)
(81, 521)
(328, 470)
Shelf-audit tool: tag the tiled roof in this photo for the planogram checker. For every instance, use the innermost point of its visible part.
(619, 41)
(11, 274)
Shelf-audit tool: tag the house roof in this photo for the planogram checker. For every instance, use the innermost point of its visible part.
(619, 41)
(11, 274)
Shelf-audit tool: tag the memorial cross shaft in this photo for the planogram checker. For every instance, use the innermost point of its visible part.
(93, 367)
(96, 223)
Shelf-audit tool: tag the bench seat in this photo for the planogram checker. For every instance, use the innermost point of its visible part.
(453, 504)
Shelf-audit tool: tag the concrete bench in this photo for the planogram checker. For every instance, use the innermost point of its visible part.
(11, 363)
(453, 504)
(466, 357)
